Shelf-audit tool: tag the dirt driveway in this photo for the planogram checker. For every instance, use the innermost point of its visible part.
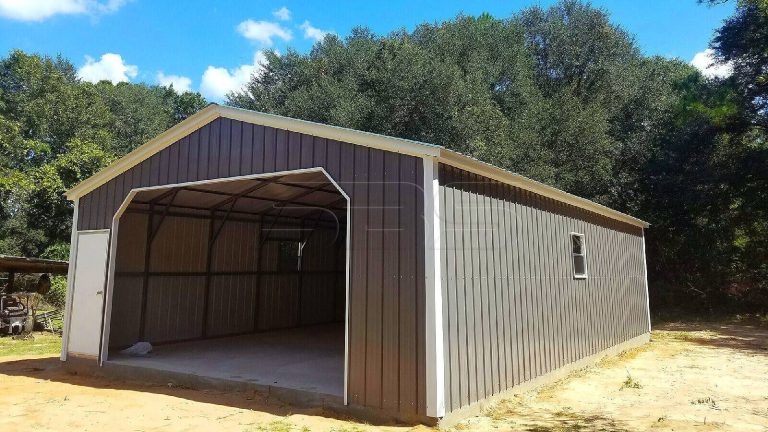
(690, 377)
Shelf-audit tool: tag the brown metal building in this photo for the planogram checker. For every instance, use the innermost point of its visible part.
(343, 268)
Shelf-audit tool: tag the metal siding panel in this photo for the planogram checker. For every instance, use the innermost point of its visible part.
(194, 156)
(358, 291)
(97, 208)
(373, 360)
(163, 166)
(173, 163)
(513, 282)
(333, 164)
(306, 151)
(294, 150)
(458, 197)
(236, 138)
(224, 147)
(564, 274)
(534, 350)
(448, 257)
(556, 254)
(257, 149)
(408, 250)
(320, 153)
(420, 304)
(184, 145)
(282, 151)
(488, 254)
(390, 284)
(474, 325)
(504, 283)
(554, 311)
(541, 258)
(270, 149)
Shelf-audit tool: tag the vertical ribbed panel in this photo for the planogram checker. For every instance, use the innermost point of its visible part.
(387, 332)
(512, 308)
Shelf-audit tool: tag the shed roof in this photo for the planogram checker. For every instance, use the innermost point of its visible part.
(368, 139)
(32, 265)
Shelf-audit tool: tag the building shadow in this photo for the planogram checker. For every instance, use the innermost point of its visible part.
(729, 335)
(52, 369)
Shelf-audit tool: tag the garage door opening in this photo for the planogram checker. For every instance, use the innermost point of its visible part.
(241, 280)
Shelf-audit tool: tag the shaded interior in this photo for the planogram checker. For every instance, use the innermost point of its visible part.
(229, 258)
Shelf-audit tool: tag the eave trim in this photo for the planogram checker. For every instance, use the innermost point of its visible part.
(367, 139)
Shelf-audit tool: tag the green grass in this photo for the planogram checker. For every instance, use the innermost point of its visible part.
(40, 344)
(630, 383)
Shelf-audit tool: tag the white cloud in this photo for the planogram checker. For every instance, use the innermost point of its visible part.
(110, 67)
(263, 31)
(311, 32)
(218, 81)
(283, 14)
(180, 83)
(39, 10)
(705, 62)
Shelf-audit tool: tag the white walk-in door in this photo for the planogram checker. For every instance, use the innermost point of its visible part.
(88, 293)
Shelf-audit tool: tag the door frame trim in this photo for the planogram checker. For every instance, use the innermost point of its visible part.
(110, 279)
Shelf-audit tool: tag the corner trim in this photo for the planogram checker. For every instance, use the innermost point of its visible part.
(647, 292)
(70, 282)
(434, 302)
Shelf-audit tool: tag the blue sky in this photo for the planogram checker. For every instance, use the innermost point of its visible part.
(212, 46)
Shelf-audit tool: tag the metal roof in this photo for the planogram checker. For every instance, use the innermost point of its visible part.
(368, 139)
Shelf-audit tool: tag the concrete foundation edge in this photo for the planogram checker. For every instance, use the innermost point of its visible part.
(454, 417)
(293, 397)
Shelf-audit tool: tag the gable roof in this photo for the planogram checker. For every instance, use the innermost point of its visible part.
(368, 139)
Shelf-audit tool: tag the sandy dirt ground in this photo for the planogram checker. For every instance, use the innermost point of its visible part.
(689, 378)
(703, 377)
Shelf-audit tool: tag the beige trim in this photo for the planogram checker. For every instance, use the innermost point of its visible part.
(450, 157)
(382, 142)
(70, 283)
(434, 305)
(367, 139)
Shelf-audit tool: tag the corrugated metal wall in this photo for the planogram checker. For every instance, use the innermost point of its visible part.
(511, 306)
(176, 281)
(387, 334)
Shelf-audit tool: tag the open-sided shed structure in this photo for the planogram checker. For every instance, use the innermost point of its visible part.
(348, 267)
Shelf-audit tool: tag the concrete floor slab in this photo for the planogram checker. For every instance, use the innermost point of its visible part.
(308, 358)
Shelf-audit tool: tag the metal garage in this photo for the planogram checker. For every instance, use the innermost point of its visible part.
(375, 273)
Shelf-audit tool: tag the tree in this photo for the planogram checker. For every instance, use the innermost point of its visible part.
(56, 131)
(564, 96)
(742, 42)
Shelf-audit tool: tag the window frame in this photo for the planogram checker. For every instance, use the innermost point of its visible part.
(583, 254)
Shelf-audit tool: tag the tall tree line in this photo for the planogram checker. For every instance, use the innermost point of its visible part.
(56, 131)
(564, 96)
(561, 95)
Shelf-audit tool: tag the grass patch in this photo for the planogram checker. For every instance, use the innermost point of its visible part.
(630, 383)
(38, 344)
(708, 401)
(277, 426)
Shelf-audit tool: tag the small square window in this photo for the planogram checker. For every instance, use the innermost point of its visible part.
(579, 254)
